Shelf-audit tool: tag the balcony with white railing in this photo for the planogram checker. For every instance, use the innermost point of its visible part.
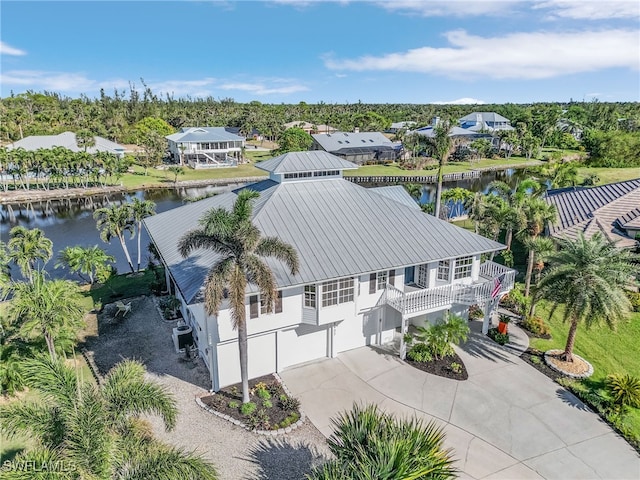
(424, 300)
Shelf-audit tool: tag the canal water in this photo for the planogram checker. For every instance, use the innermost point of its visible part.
(70, 222)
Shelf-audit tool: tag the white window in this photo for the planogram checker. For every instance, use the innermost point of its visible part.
(463, 267)
(423, 276)
(444, 268)
(382, 280)
(337, 291)
(310, 296)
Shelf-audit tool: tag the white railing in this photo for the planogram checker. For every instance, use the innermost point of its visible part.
(426, 299)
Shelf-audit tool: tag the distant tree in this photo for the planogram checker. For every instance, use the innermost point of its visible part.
(176, 170)
(85, 139)
(414, 189)
(293, 140)
(371, 122)
(139, 211)
(481, 148)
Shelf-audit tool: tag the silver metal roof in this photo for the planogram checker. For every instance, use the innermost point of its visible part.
(305, 162)
(338, 228)
(67, 140)
(203, 134)
(399, 194)
(332, 142)
(484, 117)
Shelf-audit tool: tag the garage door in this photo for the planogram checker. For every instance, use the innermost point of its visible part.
(301, 344)
(349, 334)
(262, 359)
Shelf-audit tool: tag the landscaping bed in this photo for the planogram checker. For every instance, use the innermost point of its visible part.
(442, 367)
(269, 407)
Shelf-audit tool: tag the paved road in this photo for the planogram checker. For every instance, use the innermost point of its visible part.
(507, 421)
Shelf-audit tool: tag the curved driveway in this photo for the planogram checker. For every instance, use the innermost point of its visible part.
(506, 421)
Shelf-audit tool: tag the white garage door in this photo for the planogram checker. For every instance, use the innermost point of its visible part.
(349, 334)
(301, 344)
(262, 359)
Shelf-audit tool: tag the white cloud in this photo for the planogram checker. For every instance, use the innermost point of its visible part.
(460, 101)
(451, 8)
(530, 55)
(9, 50)
(591, 9)
(181, 88)
(261, 89)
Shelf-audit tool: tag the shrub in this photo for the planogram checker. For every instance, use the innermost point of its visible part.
(456, 367)
(248, 408)
(536, 325)
(496, 336)
(275, 389)
(439, 337)
(289, 403)
(516, 301)
(234, 404)
(259, 420)
(624, 390)
(267, 403)
(263, 394)
(634, 299)
(420, 352)
(475, 312)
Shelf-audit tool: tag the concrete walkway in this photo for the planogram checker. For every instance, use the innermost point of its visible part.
(507, 421)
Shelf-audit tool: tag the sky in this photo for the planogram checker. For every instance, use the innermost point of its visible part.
(336, 52)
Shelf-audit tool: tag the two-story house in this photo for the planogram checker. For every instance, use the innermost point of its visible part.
(358, 147)
(371, 263)
(206, 147)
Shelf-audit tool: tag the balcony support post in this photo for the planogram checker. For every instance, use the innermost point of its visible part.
(404, 329)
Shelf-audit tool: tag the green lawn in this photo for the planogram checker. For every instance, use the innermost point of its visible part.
(608, 351)
(610, 175)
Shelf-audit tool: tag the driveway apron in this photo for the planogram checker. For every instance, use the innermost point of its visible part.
(507, 421)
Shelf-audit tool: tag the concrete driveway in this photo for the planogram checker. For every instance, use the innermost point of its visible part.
(507, 421)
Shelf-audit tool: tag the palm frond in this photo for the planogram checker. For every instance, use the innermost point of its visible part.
(276, 248)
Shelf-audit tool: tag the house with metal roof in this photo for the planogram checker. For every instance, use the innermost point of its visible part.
(612, 209)
(485, 122)
(310, 127)
(371, 264)
(69, 141)
(206, 147)
(358, 147)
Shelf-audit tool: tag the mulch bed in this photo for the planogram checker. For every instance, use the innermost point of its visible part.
(220, 402)
(531, 354)
(442, 367)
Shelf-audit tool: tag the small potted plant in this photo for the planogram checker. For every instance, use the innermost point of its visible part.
(503, 324)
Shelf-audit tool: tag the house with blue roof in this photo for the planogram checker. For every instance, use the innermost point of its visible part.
(371, 264)
(206, 147)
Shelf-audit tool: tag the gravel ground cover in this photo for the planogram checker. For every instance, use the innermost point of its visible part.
(237, 453)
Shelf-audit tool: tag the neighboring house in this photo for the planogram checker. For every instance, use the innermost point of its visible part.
(612, 209)
(310, 127)
(69, 141)
(398, 126)
(206, 147)
(489, 122)
(371, 263)
(358, 147)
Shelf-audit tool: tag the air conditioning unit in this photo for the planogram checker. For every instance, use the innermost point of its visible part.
(182, 336)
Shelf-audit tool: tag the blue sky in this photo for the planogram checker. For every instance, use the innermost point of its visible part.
(288, 51)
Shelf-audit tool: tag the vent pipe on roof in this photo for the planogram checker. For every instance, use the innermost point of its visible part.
(435, 121)
(356, 130)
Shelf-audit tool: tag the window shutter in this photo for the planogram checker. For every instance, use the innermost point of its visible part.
(279, 302)
(253, 306)
(372, 283)
(392, 277)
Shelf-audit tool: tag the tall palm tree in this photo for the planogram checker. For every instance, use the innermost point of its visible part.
(370, 444)
(588, 277)
(241, 247)
(48, 308)
(26, 247)
(96, 428)
(538, 214)
(84, 260)
(141, 209)
(115, 221)
(443, 146)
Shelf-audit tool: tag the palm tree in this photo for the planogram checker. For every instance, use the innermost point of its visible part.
(414, 190)
(26, 247)
(115, 221)
(443, 146)
(538, 214)
(97, 428)
(241, 247)
(5, 270)
(370, 444)
(84, 260)
(48, 308)
(588, 277)
(140, 210)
